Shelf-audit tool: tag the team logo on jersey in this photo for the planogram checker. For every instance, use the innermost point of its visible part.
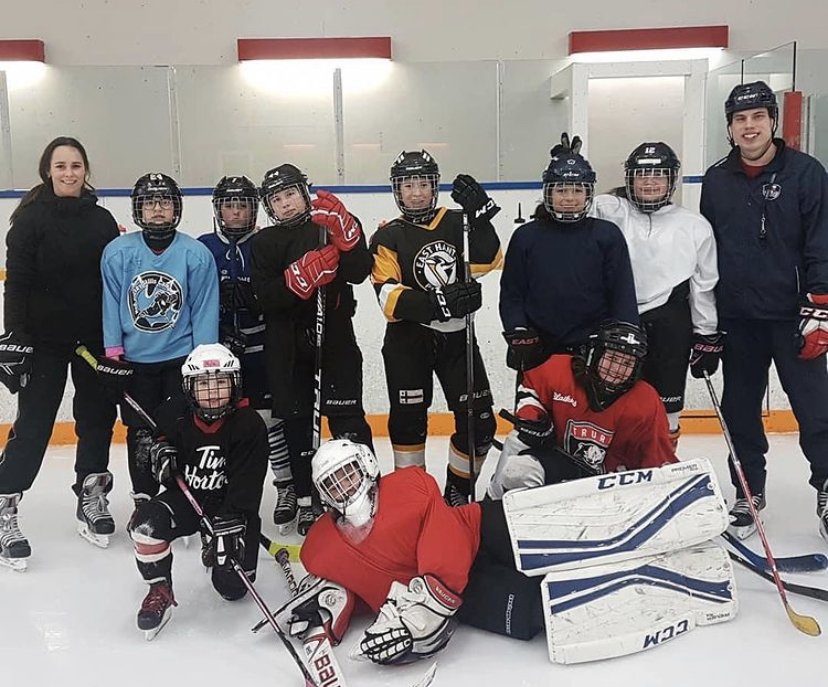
(771, 191)
(435, 266)
(155, 301)
(589, 442)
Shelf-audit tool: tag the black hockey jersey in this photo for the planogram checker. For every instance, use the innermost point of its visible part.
(411, 259)
(223, 463)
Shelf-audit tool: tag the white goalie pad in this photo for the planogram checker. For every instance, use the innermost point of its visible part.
(615, 517)
(619, 609)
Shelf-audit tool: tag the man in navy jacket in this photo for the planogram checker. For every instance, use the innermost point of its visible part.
(768, 205)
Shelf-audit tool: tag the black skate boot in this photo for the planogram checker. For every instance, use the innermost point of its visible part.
(822, 510)
(14, 547)
(95, 523)
(156, 608)
(285, 511)
(308, 514)
(741, 521)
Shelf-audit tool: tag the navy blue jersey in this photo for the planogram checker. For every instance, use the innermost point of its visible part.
(563, 280)
(771, 233)
(244, 320)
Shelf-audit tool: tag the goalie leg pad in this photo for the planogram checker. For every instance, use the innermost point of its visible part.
(614, 517)
(620, 609)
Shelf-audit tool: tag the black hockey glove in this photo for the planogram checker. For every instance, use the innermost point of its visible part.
(705, 352)
(565, 146)
(235, 296)
(456, 300)
(228, 539)
(525, 349)
(470, 196)
(163, 461)
(15, 360)
(114, 376)
(235, 341)
(533, 433)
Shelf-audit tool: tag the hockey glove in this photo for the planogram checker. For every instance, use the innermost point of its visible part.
(235, 341)
(705, 352)
(470, 196)
(15, 361)
(329, 212)
(525, 349)
(319, 603)
(415, 622)
(163, 461)
(565, 146)
(235, 296)
(228, 540)
(813, 326)
(456, 300)
(114, 375)
(535, 433)
(313, 270)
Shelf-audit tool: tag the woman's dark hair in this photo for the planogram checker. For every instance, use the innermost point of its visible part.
(43, 170)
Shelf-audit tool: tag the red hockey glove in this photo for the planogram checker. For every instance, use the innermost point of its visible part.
(329, 212)
(813, 326)
(314, 269)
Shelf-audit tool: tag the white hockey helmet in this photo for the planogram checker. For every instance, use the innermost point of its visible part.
(346, 474)
(211, 378)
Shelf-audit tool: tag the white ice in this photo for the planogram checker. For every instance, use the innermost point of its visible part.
(70, 619)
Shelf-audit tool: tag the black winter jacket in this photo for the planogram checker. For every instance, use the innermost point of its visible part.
(771, 233)
(53, 269)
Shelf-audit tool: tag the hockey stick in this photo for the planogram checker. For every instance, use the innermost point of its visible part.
(469, 368)
(800, 589)
(208, 526)
(803, 623)
(320, 339)
(274, 547)
(809, 562)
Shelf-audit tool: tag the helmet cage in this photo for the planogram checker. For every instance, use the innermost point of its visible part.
(568, 216)
(416, 215)
(235, 192)
(649, 204)
(610, 374)
(201, 388)
(346, 474)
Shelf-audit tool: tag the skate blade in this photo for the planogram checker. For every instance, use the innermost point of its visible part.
(99, 540)
(149, 635)
(16, 564)
(287, 527)
(741, 533)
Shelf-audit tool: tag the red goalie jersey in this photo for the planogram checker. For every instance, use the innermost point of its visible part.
(631, 434)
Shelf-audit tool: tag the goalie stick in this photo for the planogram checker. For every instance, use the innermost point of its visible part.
(792, 587)
(809, 562)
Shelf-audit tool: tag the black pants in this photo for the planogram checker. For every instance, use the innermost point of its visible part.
(169, 516)
(151, 385)
(669, 332)
(413, 354)
(37, 407)
(750, 347)
(499, 598)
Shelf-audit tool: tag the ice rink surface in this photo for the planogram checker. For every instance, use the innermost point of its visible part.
(70, 619)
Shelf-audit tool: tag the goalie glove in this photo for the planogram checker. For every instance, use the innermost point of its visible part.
(415, 622)
(321, 604)
(813, 326)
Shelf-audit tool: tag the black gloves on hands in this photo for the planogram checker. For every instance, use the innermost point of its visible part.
(469, 195)
(15, 360)
(456, 300)
(115, 376)
(228, 539)
(525, 349)
(565, 146)
(705, 352)
(163, 461)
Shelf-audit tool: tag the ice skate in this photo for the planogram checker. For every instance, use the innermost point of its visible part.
(95, 523)
(453, 497)
(822, 510)
(307, 515)
(742, 525)
(156, 609)
(14, 547)
(284, 514)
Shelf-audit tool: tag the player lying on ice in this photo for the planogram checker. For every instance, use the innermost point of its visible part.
(619, 576)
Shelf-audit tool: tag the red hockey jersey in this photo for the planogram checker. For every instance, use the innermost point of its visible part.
(414, 532)
(631, 434)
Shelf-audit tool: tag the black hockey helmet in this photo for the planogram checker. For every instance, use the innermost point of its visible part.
(568, 170)
(750, 96)
(156, 189)
(235, 191)
(415, 165)
(280, 179)
(607, 376)
(651, 160)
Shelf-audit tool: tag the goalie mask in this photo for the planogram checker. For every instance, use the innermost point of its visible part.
(285, 195)
(347, 474)
(568, 187)
(211, 378)
(612, 361)
(156, 205)
(235, 206)
(650, 175)
(415, 183)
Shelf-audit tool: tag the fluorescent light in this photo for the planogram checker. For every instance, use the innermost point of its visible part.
(313, 78)
(23, 74)
(648, 55)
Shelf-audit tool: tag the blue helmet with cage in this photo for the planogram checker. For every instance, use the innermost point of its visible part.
(568, 187)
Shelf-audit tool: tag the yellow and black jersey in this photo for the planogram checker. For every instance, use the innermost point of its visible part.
(412, 259)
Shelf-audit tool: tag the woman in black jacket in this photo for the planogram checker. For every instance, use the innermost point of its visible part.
(52, 304)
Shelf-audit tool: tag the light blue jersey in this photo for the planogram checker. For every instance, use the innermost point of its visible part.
(158, 307)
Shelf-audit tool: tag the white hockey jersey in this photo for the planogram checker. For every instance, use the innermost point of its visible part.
(667, 247)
